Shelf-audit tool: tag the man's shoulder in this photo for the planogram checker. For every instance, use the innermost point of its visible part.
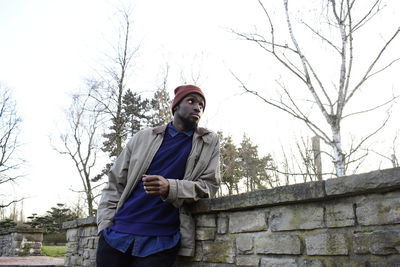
(207, 134)
(146, 133)
(205, 130)
(152, 130)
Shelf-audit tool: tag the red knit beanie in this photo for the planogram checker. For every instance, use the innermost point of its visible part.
(184, 90)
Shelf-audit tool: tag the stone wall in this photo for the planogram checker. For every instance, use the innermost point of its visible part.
(82, 242)
(350, 221)
(20, 242)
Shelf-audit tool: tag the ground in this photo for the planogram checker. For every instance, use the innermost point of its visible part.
(31, 261)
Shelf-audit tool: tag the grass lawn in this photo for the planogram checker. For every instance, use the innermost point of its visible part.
(54, 251)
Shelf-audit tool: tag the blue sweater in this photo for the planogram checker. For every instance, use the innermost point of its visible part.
(149, 216)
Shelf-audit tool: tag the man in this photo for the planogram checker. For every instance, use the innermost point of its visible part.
(143, 217)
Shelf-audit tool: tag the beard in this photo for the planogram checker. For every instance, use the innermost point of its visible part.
(188, 123)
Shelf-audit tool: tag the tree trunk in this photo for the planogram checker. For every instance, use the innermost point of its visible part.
(338, 152)
(316, 147)
(90, 203)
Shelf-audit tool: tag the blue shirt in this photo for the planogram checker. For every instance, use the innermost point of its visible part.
(151, 224)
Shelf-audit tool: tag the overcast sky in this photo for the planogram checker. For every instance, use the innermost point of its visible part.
(48, 47)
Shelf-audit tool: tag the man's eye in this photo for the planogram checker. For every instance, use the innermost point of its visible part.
(190, 101)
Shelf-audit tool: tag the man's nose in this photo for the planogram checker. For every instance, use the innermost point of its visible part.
(198, 108)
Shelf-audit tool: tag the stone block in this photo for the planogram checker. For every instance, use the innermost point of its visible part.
(219, 252)
(261, 198)
(384, 209)
(17, 236)
(339, 215)
(72, 235)
(248, 261)
(326, 243)
(89, 263)
(278, 262)
(92, 254)
(90, 243)
(244, 244)
(386, 263)
(311, 263)
(198, 255)
(17, 244)
(67, 260)
(364, 182)
(187, 263)
(83, 242)
(274, 243)
(344, 262)
(75, 260)
(208, 220)
(90, 231)
(80, 250)
(379, 242)
(70, 224)
(72, 247)
(81, 231)
(205, 233)
(88, 221)
(297, 217)
(222, 224)
(247, 221)
(86, 254)
(96, 242)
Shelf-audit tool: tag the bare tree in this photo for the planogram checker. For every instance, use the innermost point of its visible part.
(10, 122)
(192, 72)
(299, 161)
(110, 95)
(81, 141)
(337, 35)
(391, 156)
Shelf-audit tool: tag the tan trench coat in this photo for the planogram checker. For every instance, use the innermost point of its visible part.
(201, 179)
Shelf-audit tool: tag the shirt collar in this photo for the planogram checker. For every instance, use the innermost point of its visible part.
(173, 132)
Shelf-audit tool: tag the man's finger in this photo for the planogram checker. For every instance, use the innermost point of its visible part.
(152, 183)
(149, 178)
(151, 188)
(153, 192)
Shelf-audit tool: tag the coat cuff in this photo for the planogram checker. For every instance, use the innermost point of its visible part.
(173, 190)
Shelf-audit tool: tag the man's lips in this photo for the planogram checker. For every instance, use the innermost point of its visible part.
(197, 116)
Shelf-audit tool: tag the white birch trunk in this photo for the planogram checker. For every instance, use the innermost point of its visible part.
(338, 152)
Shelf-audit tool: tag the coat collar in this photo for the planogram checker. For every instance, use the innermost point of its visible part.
(200, 131)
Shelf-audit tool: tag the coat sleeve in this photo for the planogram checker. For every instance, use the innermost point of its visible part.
(112, 192)
(205, 186)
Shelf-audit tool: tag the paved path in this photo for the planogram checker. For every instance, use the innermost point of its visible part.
(31, 261)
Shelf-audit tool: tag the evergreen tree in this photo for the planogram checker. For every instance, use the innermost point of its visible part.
(248, 155)
(160, 108)
(252, 168)
(53, 220)
(134, 116)
(230, 165)
(134, 113)
(7, 223)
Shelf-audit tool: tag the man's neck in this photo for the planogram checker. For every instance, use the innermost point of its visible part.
(181, 127)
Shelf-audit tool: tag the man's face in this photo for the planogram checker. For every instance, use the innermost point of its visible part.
(189, 110)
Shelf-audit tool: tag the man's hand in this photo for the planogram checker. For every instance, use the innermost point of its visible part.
(155, 185)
